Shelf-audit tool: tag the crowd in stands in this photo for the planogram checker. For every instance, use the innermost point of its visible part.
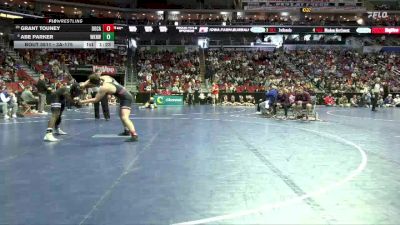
(168, 72)
(55, 64)
(327, 71)
(339, 71)
(229, 76)
(276, 20)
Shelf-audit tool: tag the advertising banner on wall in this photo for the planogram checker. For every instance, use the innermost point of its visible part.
(168, 99)
(108, 70)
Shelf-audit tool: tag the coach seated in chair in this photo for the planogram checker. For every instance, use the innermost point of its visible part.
(354, 101)
(344, 101)
(28, 98)
(396, 101)
(225, 101)
(389, 101)
(284, 101)
(303, 101)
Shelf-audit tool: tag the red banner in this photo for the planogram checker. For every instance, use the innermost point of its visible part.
(386, 30)
(107, 70)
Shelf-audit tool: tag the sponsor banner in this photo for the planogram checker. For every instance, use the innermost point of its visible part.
(163, 29)
(332, 30)
(261, 29)
(109, 70)
(386, 30)
(186, 29)
(203, 30)
(257, 30)
(363, 30)
(133, 29)
(168, 99)
(229, 29)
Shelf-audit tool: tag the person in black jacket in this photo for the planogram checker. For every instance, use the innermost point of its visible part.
(42, 91)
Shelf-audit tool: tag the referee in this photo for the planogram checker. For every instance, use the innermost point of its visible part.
(103, 102)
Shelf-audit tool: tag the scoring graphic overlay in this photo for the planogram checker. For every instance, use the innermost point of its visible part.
(64, 33)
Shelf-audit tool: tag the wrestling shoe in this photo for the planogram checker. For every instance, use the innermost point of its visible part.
(133, 138)
(6, 117)
(125, 133)
(50, 137)
(14, 116)
(60, 132)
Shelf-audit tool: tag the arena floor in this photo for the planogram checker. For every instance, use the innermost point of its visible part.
(203, 164)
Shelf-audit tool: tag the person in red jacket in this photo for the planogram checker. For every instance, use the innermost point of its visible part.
(215, 93)
(329, 100)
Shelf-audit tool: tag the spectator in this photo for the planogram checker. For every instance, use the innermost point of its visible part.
(8, 102)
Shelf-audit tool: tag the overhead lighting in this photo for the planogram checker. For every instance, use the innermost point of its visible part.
(9, 16)
(48, 6)
(284, 14)
(49, 10)
(74, 8)
(175, 12)
(360, 21)
(25, 3)
(5, 3)
(160, 12)
(1, 33)
(92, 10)
(62, 7)
(224, 13)
(62, 11)
(109, 12)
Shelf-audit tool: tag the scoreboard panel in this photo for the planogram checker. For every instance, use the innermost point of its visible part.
(64, 33)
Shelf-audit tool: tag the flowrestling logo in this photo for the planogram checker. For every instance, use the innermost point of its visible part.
(378, 15)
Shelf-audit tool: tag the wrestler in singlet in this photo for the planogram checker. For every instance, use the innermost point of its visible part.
(125, 98)
(109, 85)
